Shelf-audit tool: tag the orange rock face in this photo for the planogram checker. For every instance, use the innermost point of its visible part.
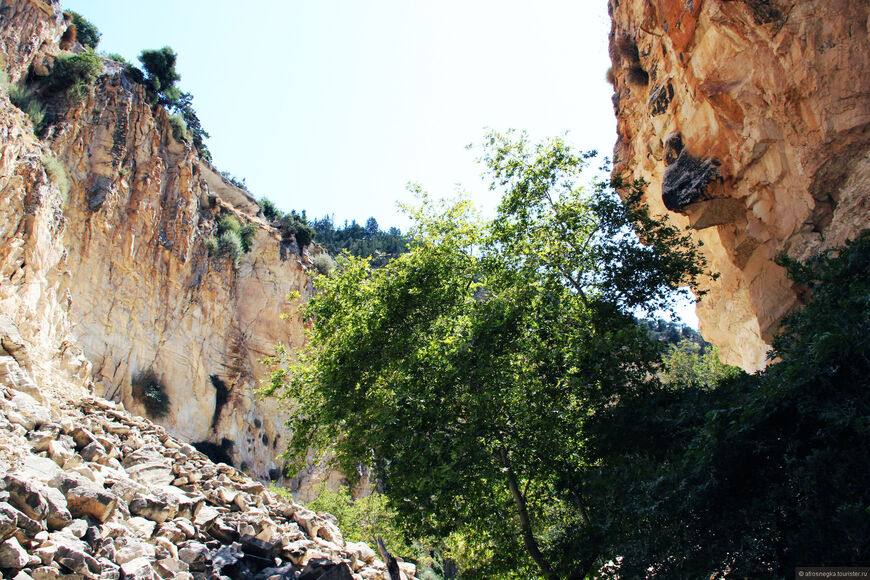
(750, 121)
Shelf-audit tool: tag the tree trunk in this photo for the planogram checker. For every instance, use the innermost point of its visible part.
(526, 527)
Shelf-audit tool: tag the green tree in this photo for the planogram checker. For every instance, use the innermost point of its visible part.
(463, 371)
(689, 364)
(162, 76)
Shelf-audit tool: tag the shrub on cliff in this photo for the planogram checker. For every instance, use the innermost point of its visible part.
(74, 73)
(151, 393)
(57, 173)
(179, 129)
(86, 33)
(26, 100)
(297, 226)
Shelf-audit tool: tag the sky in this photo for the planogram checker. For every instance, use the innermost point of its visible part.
(334, 106)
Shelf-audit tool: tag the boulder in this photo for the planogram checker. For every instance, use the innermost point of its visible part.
(138, 569)
(12, 555)
(91, 501)
(152, 508)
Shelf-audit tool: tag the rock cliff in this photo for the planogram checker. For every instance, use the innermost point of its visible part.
(750, 121)
(111, 273)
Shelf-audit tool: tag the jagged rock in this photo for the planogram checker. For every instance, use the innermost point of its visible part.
(324, 569)
(26, 497)
(12, 375)
(170, 567)
(362, 551)
(93, 451)
(12, 343)
(308, 521)
(258, 547)
(152, 508)
(82, 437)
(287, 571)
(8, 521)
(12, 555)
(144, 528)
(195, 555)
(28, 408)
(149, 467)
(128, 549)
(90, 501)
(138, 569)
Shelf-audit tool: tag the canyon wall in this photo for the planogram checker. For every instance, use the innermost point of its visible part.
(750, 122)
(116, 268)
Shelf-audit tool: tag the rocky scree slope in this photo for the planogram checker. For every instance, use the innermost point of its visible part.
(117, 270)
(88, 490)
(750, 121)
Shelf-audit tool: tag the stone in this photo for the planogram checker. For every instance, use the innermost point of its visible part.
(142, 527)
(324, 569)
(253, 545)
(130, 549)
(8, 521)
(149, 467)
(152, 508)
(170, 567)
(195, 555)
(362, 551)
(82, 437)
(26, 497)
(72, 559)
(138, 569)
(12, 555)
(93, 451)
(30, 409)
(90, 501)
(308, 521)
(12, 343)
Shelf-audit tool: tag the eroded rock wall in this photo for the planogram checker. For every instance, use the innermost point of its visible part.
(146, 295)
(750, 121)
(117, 269)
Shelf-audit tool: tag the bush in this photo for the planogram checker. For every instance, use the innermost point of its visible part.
(119, 58)
(179, 129)
(362, 519)
(74, 73)
(27, 102)
(148, 390)
(270, 210)
(211, 245)
(230, 245)
(324, 263)
(229, 223)
(246, 235)
(86, 33)
(297, 226)
(57, 173)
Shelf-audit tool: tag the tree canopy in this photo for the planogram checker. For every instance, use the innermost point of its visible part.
(463, 371)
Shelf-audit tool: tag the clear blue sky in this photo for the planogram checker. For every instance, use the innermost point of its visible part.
(333, 106)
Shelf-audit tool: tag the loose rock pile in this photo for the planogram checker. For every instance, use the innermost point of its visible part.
(89, 491)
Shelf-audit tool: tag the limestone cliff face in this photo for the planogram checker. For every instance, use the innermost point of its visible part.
(147, 297)
(117, 269)
(750, 120)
